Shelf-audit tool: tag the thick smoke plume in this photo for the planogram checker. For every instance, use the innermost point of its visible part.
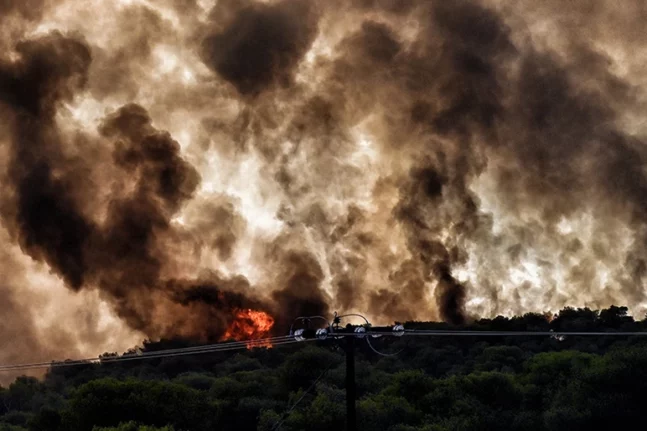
(256, 46)
(184, 160)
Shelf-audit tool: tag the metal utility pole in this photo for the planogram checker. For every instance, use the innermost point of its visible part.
(351, 389)
(347, 337)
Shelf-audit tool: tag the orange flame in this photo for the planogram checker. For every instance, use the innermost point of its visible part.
(250, 325)
(549, 316)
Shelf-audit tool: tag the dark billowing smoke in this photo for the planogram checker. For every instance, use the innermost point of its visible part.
(124, 253)
(404, 159)
(468, 61)
(258, 46)
(48, 222)
(301, 277)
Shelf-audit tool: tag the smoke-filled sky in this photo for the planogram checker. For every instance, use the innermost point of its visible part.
(167, 162)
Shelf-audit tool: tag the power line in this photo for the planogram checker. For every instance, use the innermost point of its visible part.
(304, 336)
(107, 360)
(439, 333)
(285, 415)
(211, 348)
(351, 333)
(388, 355)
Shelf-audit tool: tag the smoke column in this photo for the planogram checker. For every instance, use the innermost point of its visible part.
(165, 164)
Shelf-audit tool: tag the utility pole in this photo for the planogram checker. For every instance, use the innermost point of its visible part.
(351, 389)
(347, 337)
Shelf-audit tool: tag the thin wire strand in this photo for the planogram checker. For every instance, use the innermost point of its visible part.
(484, 333)
(388, 355)
(209, 347)
(286, 414)
(522, 333)
(214, 348)
(286, 339)
(167, 355)
(227, 343)
(123, 359)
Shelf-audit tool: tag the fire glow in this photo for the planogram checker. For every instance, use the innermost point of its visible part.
(252, 325)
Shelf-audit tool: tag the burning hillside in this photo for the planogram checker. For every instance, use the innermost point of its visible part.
(250, 325)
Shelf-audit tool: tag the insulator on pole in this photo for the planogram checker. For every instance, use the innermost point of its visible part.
(360, 332)
(557, 336)
(322, 333)
(298, 335)
(398, 330)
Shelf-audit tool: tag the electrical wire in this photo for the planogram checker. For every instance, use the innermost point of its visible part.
(212, 348)
(161, 353)
(287, 339)
(471, 333)
(388, 355)
(99, 360)
(143, 354)
(509, 333)
(227, 343)
(286, 414)
(558, 335)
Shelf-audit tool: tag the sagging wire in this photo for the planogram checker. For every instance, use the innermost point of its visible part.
(211, 348)
(336, 331)
(287, 413)
(298, 336)
(388, 355)
(553, 334)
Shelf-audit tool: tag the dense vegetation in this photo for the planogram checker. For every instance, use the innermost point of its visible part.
(434, 384)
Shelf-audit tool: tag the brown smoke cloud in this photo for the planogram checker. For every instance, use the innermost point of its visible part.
(256, 46)
(406, 159)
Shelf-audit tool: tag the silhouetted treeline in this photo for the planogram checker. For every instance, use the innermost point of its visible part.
(434, 384)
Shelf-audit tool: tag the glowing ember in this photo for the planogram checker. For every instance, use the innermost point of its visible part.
(250, 325)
